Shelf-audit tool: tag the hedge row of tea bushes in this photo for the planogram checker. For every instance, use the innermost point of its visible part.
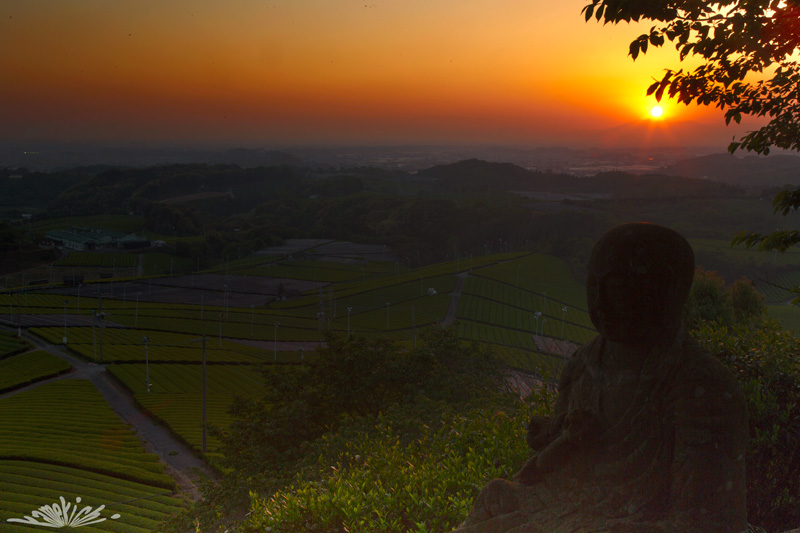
(123, 344)
(25, 486)
(501, 293)
(175, 396)
(10, 344)
(62, 439)
(28, 367)
(68, 422)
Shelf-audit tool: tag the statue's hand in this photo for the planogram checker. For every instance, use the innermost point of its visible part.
(583, 427)
(540, 432)
(579, 433)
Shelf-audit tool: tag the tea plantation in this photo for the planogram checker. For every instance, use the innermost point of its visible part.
(62, 439)
(28, 367)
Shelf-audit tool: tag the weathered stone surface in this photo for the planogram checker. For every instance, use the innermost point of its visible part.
(649, 431)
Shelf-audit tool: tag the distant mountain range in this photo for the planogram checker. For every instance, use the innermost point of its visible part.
(477, 175)
(648, 134)
(749, 171)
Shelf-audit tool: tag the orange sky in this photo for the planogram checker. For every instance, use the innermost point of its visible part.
(287, 71)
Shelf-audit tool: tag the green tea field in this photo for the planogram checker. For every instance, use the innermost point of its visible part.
(256, 314)
(62, 440)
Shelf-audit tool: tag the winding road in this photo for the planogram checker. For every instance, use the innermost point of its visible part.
(180, 461)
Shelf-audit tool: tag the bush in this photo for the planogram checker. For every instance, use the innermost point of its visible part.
(765, 361)
(352, 378)
(399, 472)
(710, 301)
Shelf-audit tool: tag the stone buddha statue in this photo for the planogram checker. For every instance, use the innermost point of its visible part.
(649, 430)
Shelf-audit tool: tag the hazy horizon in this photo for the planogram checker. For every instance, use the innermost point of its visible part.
(316, 72)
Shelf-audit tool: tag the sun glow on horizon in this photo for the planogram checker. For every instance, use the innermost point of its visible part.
(201, 70)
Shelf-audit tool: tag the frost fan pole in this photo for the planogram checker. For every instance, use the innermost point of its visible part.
(204, 388)
(204, 394)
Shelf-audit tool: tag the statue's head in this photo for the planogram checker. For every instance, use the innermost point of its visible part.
(638, 281)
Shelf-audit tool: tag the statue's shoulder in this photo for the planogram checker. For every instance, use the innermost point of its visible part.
(704, 384)
(698, 365)
(587, 354)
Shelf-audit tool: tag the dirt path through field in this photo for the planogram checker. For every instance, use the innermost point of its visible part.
(180, 460)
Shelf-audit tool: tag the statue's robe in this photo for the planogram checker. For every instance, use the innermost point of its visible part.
(672, 460)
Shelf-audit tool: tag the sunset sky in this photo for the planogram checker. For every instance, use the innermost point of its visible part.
(330, 71)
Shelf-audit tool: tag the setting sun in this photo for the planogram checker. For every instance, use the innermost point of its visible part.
(656, 111)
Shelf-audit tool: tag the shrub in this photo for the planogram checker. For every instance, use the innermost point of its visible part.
(352, 378)
(765, 361)
(398, 472)
(711, 301)
(708, 301)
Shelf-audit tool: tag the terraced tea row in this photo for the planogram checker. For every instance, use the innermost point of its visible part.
(68, 422)
(175, 395)
(10, 344)
(25, 486)
(28, 367)
(187, 379)
(128, 345)
(62, 439)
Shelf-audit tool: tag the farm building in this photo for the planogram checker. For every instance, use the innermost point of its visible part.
(95, 238)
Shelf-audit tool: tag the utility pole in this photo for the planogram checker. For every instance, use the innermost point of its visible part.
(203, 339)
(19, 318)
(94, 337)
(414, 326)
(275, 343)
(204, 394)
(136, 318)
(100, 316)
(225, 299)
(146, 365)
(65, 323)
